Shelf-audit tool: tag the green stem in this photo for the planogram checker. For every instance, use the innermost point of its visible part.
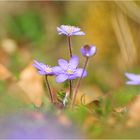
(79, 81)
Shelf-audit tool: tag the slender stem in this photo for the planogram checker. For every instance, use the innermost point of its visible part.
(69, 45)
(70, 89)
(70, 51)
(79, 81)
(49, 89)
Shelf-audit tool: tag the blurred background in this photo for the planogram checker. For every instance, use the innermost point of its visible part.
(28, 31)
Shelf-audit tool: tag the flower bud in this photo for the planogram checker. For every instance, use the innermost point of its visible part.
(88, 50)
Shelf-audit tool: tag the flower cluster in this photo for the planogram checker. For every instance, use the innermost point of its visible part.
(67, 70)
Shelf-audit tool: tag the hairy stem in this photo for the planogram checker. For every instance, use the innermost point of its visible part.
(69, 45)
(49, 89)
(70, 89)
(70, 52)
(79, 81)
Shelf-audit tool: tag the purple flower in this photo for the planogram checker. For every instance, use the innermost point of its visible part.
(68, 70)
(69, 30)
(42, 68)
(134, 79)
(88, 51)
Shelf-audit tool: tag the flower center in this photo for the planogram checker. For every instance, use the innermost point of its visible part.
(70, 30)
(69, 71)
(48, 70)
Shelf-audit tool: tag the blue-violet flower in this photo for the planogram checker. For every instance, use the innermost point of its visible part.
(69, 30)
(68, 70)
(42, 68)
(134, 79)
(88, 51)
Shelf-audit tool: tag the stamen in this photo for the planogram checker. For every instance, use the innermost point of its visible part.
(70, 30)
(48, 70)
(69, 71)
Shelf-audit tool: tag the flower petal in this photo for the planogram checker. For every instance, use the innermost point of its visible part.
(57, 70)
(79, 33)
(133, 77)
(61, 78)
(37, 65)
(79, 72)
(75, 29)
(63, 64)
(83, 51)
(36, 62)
(61, 31)
(92, 50)
(73, 76)
(40, 66)
(73, 63)
(42, 72)
(133, 83)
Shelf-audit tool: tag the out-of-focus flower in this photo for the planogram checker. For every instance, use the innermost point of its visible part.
(68, 70)
(69, 30)
(134, 79)
(88, 51)
(42, 68)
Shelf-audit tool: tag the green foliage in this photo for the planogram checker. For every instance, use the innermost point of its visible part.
(66, 84)
(17, 64)
(94, 78)
(95, 131)
(79, 114)
(104, 107)
(69, 16)
(61, 95)
(7, 101)
(108, 106)
(2, 87)
(27, 26)
(124, 95)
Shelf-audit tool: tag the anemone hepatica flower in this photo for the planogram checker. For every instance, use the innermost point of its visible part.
(88, 51)
(68, 70)
(42, 68)
(69, 30)
(134, 79)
